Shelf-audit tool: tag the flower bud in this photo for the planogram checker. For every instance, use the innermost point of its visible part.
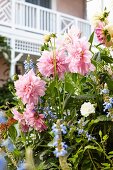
(46, 38)
(15, 77)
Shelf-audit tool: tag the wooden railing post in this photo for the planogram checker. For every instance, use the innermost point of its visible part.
(58, 23)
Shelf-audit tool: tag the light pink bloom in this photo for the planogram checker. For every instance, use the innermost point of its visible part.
(64, 40)
(39, 123)
(20, 118)
(46, 63)
(29, 87)
(72, 34)
(99, 30)
(30, 118)
(35, 120)
(29, 115)
(79, 57)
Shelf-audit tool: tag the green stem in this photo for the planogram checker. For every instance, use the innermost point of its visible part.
(104, 152)
(63, 97)
(91, 159)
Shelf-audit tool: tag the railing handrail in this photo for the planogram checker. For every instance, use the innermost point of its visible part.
(40, 20)
(52, 11)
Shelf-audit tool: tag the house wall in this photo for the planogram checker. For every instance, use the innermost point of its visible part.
(4, 71)
(73, 7)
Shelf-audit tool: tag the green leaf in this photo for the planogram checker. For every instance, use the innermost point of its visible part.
(107, 59)
(78, 140)
(110, 153)
(100, 133)
(106, 164)
(12, 132)
(93, 148)
(108, 37)
(105, 137)
(91, 39)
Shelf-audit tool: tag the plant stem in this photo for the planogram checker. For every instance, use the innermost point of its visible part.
(91, 159)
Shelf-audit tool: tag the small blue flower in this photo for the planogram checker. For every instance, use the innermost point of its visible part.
(64, 145)
(21, 166)
(55, 143)
(62, 152)
(80, 131)
(63, 129)
(28, 65)
(105, 91)
(2, 117)
(8, 144)
(111, 100)
(56, 137)
(107, 106)
(89, 137)
(55, 131)
(3, 163)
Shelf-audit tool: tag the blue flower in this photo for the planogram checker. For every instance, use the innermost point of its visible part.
(2, 117)
(21, 166)
(28, 65)
(58, 153)
(107, 106)
(105, 91)
(80, 131)
(55, 143)
(63, 152)
(3, 163)
(63, 129)
(89, 137)
(111, 100)
(8, 144)
(64, 145)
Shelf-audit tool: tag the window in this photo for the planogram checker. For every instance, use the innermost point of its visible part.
(43, 3)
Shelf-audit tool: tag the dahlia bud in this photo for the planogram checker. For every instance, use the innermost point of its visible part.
(46, 38)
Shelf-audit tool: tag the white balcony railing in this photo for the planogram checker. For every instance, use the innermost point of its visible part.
(32, 18)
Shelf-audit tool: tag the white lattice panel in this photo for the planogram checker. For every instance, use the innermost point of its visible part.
(27, 47)
(5, 11)
(8, 42)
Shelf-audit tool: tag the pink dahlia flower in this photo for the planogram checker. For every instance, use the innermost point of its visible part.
(72, 34)
(80, 57)
(46, 64)
(29, 87)
(29, 115)
(64, 40)
(34, 120)
(30, 118)
(99, 30)
(20, 118)
(39, 123)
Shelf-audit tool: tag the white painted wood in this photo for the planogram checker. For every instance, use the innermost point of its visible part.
(54, 4)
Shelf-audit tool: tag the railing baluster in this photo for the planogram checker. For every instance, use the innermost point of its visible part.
(38, 19)
(27, 16)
